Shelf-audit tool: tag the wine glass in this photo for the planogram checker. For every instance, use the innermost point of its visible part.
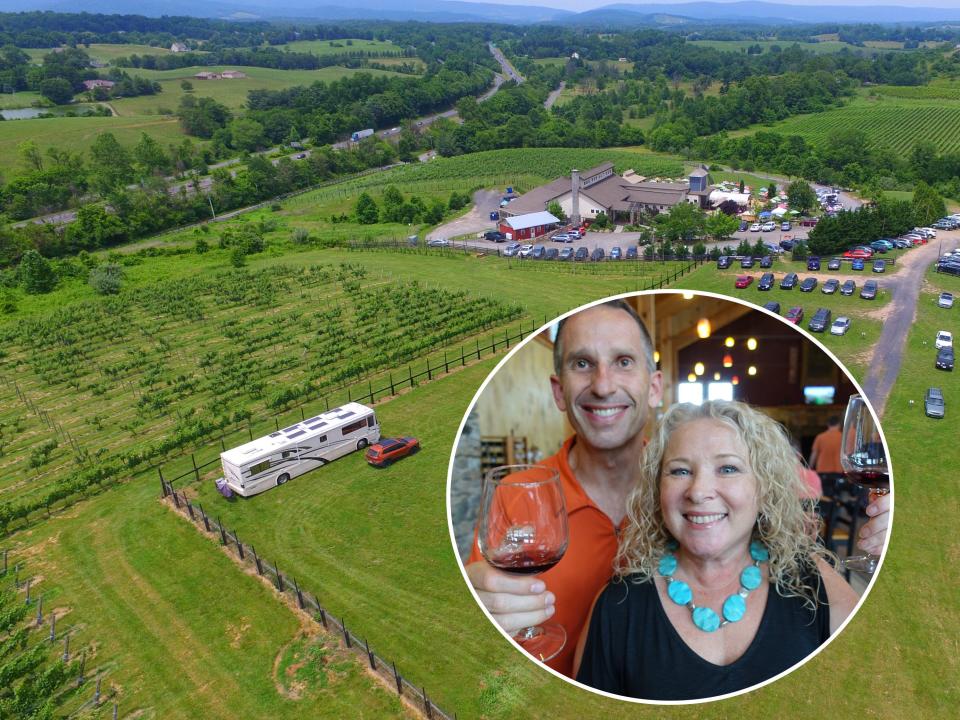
(864, 460)
(523, 529)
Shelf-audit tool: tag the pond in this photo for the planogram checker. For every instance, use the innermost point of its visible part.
(22, 113)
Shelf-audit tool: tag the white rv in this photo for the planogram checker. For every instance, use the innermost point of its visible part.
(272, 460)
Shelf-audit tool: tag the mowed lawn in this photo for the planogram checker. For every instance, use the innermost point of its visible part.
(232, 93)
(104, 51)
(342, 46)
(177, 630)
(77, 134)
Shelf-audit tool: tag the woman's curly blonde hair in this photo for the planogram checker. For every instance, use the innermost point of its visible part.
(786, 528)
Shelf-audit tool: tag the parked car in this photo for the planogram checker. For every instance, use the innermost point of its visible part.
(945, 300)
(511, 250)
(786, 244)
(933, 405)
(746, 262)
(879, 246)
(755, 227)
(879, 266)
(772, 306)
(869, 290)
(597, 254)
(795, 315)
(848, 287)
(299, 156)
(575, 234)
(885, 242)
(786, 225)
(538, 252)
(495, 236)
(552, 254)
(632, 252)
(438, 242)
(840, 325)
(525, 250)
(858, 253)
(723, 262)
(744, 225)
(616, 253)
(944, 359)
(561, 237)
(944, 339)
(820, 320)
(857, 264)
(768, 227)
(808, 284)
(743, 281)
(789, 281)
(830, 286)
(581, 254)
(813, 263)
(766, 261)
(766, 282)
(389, 450)
(834, 264)
(566, 253)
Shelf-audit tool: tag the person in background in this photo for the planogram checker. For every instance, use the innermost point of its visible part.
(825, 455)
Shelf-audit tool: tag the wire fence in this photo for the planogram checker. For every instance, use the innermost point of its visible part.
(289, 588)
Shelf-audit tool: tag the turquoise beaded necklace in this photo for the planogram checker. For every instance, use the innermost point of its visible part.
(734, 607)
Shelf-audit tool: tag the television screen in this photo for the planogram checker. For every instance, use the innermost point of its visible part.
(819, 394)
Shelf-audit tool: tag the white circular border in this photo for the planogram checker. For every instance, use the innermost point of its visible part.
(641, 701)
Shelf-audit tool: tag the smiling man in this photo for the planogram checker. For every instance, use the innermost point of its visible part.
(606, 381)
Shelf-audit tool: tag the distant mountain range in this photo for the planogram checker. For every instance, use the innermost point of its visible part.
(621, 14)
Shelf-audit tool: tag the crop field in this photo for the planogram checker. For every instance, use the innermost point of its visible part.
(232, 93)
(895, 124)
(936, 90)
(77, 134)
(160, 368)
(342, 46)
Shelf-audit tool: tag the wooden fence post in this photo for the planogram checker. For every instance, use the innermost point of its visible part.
(427, 705)
(429, 372)
(373, 662)
(346, 633)
(446, 364)
(176, 500)
(196, 472)
(279, 577)
(396, 676)
(478, 348)
(206, 520)
(236, 539)
(323, 616)
(190, 510)
(256, 559)
(53, 627)
(223, 537)
(40, 611)
(299, 594)
(163, 485)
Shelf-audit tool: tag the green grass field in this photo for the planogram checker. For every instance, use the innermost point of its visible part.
(78, 134)
(341, 47)
(825, 47)
(892, 122)
(232, 93)
(104, 51)
(21, 99)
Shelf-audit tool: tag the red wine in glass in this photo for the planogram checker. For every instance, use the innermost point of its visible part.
(523, 530)
(864, 461)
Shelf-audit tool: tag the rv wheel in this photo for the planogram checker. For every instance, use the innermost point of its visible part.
(362, 444)
(281, 479)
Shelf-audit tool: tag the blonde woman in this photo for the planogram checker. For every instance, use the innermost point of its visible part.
(721, 584)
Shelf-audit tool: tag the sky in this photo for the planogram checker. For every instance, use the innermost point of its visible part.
(580, 5)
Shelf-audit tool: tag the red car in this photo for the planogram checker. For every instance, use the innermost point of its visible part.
(389, 450)
(795, 315)
(858, 253)
(743, 281)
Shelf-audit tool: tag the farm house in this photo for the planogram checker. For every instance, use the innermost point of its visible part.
(531, 225)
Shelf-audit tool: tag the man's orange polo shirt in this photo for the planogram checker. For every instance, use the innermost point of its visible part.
(587, 565)
(827, 447)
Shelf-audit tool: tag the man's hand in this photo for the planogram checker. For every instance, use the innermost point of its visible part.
(874, 533)
(516, 602)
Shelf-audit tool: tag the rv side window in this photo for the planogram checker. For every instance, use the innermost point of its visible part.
(322, 438)
(371, 421)
(354, 426)
(259, 467)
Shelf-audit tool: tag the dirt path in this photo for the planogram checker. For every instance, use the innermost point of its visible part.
(552, 97)
(475, 221)
(904, 287)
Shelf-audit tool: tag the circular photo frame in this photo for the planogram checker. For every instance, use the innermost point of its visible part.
(714, 464)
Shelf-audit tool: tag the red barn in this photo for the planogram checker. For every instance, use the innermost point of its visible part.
(531, 225)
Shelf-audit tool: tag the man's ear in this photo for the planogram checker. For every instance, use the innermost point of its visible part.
(557, 387)
(655, 394)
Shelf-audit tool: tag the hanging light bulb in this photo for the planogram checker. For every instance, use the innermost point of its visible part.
(691, 378)
(688, 296)
(703, 328)
(656, 356)
(716, 376)
(751, 343)
(752, 370)
(729, 342)
(699, 369)
(735, 380)
(727, 360)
